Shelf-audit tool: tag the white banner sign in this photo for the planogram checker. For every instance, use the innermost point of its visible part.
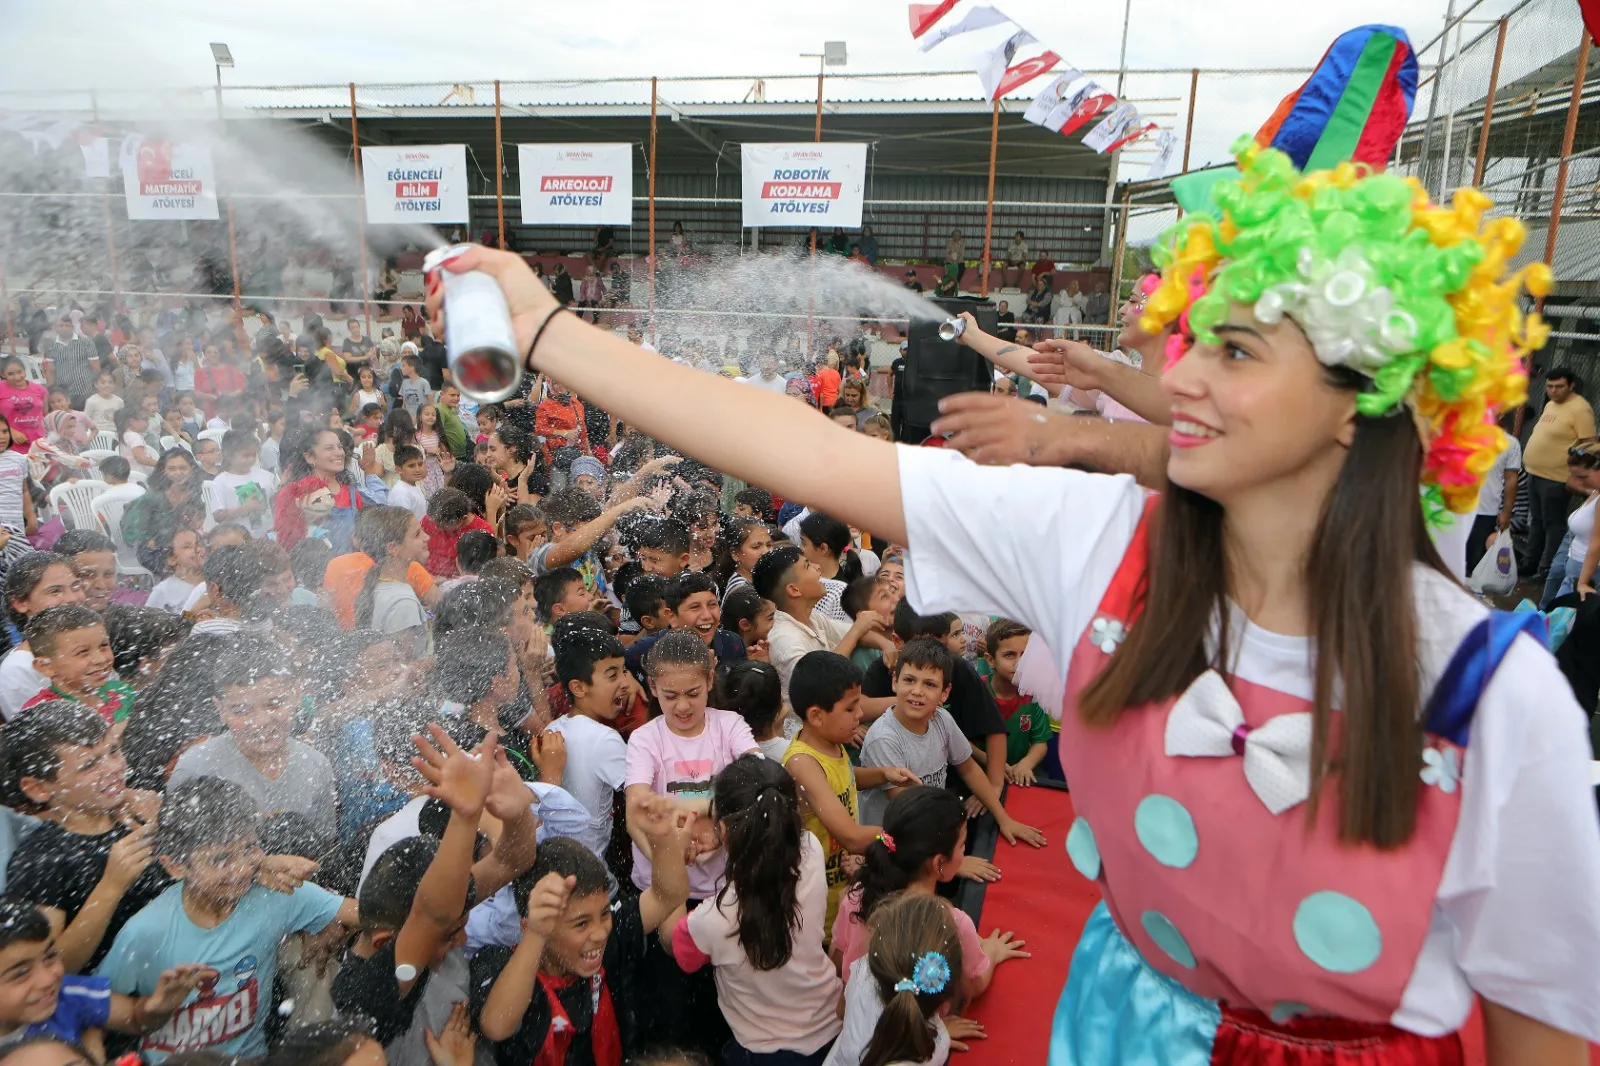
(803, 185)
(576, 184)
(416, 183)
(169, 179)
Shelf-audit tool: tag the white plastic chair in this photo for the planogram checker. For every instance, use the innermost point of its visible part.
(138, 477)
(75, 499)
(104, 441)
(213, 434)
(175, 442)
(108, 516)
(98, 455)
(212, 494)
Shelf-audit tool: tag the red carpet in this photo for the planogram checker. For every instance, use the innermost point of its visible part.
(1045, 902)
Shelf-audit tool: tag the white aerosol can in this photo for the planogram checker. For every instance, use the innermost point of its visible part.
(951, 328)
(478, 338)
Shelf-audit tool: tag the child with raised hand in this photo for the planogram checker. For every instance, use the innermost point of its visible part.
(573, 985)
(897, 995)
(679, 753)
(751, 688)
(1027, 724)
(406, 970)
(763, 931)
(40, 1000)
(209, 841)
(590, 666)
(89, 864)
(922, 845)
(826, 692)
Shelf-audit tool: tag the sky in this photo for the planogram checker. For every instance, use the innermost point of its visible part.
(64, 44)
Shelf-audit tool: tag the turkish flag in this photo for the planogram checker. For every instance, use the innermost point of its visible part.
(1024, 72)
(1591, 16)
(155, 161)
(923, 16)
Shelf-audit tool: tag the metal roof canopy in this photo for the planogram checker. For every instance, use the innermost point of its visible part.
(923, 137)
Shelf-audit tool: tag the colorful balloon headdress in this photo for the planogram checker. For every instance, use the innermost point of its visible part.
(1413, 296)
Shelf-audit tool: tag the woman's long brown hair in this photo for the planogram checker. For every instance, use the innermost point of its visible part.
(1363, 618)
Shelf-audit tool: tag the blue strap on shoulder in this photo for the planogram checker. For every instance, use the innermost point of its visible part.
(1455, 697)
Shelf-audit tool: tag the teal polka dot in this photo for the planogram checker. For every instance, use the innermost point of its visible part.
(1160, 929)
(1166, 830)
(1286, 1012)
(1337, 933)
(1082, 850)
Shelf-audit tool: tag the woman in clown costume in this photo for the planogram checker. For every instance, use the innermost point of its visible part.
(1329, 798)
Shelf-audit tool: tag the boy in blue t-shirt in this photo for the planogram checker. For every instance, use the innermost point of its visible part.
(37, 999)
(218, 916)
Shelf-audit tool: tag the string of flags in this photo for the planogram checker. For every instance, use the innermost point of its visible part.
(1068, 103)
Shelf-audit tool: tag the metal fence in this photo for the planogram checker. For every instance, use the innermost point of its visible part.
(1494, 99)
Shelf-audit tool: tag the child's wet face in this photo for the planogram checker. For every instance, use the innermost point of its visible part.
(30, 982)
(223, 873)
(577, 946)
(682, 691)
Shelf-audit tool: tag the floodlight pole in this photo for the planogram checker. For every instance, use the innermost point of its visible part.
(233, 244)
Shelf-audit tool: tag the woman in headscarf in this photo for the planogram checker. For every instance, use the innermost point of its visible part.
(55, 458)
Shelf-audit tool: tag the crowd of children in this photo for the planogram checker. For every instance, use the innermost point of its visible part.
(449, 734)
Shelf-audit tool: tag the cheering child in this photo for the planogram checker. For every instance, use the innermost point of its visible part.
(574, 979)
(826, 692)
(1027, 726)
(589, 664)
(71, 648)
(763, 930)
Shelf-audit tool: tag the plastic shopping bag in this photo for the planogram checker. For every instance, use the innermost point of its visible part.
(1496, 573)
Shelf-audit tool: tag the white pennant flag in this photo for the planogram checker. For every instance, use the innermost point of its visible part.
(1121, 125)
(978, 18)
(999, 74)
(1166, 152)
(1051, 97)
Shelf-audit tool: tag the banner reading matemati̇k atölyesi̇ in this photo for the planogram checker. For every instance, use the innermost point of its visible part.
(804, 184)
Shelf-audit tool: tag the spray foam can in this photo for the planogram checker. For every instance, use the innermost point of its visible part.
(478, 338)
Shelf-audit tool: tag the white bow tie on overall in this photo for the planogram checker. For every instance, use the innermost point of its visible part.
(1207, 721)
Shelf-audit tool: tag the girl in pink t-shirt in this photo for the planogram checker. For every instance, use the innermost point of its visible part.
(680, 752)
(22, 404)
(762, 932)
(923, 841)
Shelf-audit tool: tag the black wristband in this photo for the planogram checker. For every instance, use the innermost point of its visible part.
(528, 359)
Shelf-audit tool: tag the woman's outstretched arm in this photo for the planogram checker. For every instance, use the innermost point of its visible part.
(757, 436)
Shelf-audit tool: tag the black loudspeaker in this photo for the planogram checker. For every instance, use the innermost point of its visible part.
(936, 368)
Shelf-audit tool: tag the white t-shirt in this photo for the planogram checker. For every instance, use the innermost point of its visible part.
(395, 609)
(791, 1008)
(13, 483)
(102, 411)
(1517, 911)
(1492, 495)
(683, 767)
(229, 491)
(1581, 526)
(597, 765)
(131, 440)
(171, 593)
(779, 384)
(862, 1008)
(19, 681)
(410, 497)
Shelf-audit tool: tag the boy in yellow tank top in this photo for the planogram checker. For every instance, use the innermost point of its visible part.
(825, 691)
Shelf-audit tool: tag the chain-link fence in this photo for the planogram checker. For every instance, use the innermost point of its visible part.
(291, 228)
